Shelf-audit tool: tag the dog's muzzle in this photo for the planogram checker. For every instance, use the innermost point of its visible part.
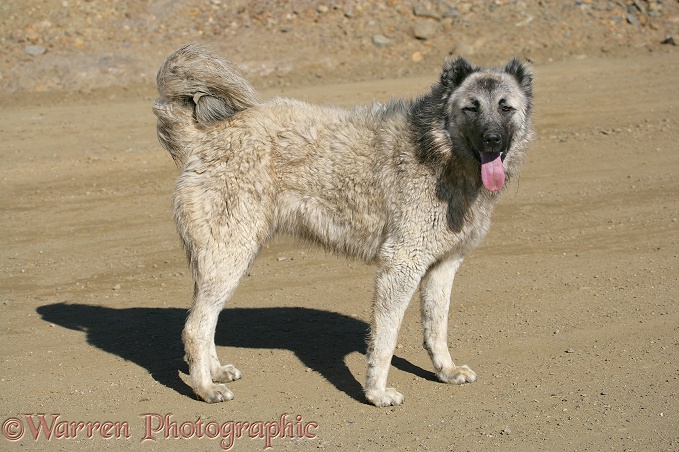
(493, 141)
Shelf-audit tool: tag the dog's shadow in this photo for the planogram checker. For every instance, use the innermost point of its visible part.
(151, 338)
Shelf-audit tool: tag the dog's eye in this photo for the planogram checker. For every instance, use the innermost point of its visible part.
(507, 109)
(470, 109)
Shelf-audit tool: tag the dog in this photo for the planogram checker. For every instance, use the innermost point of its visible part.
(408, 185)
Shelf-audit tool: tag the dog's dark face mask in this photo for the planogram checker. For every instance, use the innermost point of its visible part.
(485, 124)
(486, 109)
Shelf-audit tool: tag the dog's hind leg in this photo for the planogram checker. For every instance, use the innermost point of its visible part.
(218, 267)
(436, 288)
(395, 286)
(211, 292)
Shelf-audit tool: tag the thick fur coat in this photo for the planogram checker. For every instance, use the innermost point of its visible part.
(409, 186)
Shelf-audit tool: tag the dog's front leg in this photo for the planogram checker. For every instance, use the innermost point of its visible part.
(395, 286)
(436, 288)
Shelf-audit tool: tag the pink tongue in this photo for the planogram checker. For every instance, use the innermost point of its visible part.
(492, 172)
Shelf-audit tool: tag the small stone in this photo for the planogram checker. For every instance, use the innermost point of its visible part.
(505, 431)
(416, 57)
(35, 50)
(348, 11)
(632, 19)
(116, 287)
(424, 30)
(421, 11)
(669, 39)
(526, 21)
(450, 13)
(322, 9)
(638, 5)
(381, 41)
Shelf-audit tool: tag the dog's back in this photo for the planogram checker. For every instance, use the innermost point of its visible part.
(196, 88)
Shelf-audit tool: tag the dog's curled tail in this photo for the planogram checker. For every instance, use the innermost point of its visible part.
(197, 88)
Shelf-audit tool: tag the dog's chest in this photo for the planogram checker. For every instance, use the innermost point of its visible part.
(460, 226)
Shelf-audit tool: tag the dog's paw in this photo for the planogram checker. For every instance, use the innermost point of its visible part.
(211, 392)
(457, 375)
(227, 373)
(388, 397)
(214, 393)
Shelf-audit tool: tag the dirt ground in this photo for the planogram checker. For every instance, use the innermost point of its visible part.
(568, 311)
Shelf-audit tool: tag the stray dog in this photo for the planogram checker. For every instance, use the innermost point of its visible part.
(409, 185)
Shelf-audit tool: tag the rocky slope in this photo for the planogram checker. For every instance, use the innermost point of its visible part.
(79, 45)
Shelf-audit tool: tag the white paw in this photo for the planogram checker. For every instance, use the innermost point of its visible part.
(457, 375)
(214, 393)
(226, 373)
(387, 397)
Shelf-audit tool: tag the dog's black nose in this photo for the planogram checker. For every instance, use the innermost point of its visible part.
(492, 139)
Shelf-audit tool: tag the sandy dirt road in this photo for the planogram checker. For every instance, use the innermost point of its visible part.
(569, 310)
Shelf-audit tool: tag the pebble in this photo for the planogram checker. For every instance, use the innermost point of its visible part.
(116, 287)
(638, 5)
(451, 13)
(424, 30)
(632, 19)
(669, 39)
(35, 50)
(525, 21)
(348, 11)
(421, 11)
(381, 41)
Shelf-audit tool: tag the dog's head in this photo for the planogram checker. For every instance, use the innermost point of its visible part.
(488, 115)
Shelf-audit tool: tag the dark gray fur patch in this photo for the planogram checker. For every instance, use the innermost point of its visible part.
(487, 83)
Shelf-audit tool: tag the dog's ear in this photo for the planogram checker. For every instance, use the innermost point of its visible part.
(455, 71)
(523, 74)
